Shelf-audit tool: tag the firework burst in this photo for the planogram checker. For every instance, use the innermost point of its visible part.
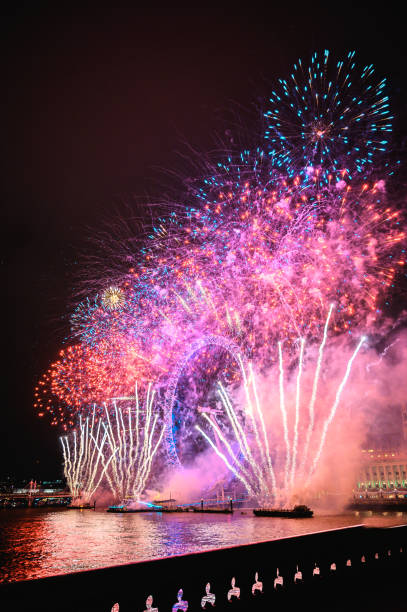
(268, 239)
(329, 114)
(113, 298)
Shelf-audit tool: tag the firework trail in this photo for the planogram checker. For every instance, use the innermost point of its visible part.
(315, 387)
(283, 414)
(85, 459)
(382, 354)
(248, 466)
(334, 407)
(133, 437)
(297, 411)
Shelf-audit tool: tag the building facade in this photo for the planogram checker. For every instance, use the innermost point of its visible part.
(384, 470)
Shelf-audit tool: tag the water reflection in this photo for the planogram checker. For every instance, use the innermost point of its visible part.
(41, 542)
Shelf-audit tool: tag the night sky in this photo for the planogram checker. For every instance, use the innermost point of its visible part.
(94, 101)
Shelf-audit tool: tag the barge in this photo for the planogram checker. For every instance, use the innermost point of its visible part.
(81, 506)
(296, 512)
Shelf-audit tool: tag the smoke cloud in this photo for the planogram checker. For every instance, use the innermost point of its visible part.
(369, 409)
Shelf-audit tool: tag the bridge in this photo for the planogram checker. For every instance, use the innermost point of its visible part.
(32, 497)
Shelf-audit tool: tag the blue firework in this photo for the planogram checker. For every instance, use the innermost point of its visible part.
(328, 115)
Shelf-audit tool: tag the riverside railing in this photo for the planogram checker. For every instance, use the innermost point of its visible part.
(323, 569)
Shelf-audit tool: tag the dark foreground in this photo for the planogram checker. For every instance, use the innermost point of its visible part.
(348, 569)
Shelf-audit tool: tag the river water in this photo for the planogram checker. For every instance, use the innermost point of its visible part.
(37, 542)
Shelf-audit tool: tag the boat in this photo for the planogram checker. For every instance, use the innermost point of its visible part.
(81, 506)
(296, 512)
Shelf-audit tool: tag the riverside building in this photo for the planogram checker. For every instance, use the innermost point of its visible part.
(383, 466)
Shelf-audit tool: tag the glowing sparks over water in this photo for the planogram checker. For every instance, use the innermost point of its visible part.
(315, 386)
(118, 450)
(284, 414)
(86, 459)
(335, 406)
(133, 435)
(250, 459)
(297, 411)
